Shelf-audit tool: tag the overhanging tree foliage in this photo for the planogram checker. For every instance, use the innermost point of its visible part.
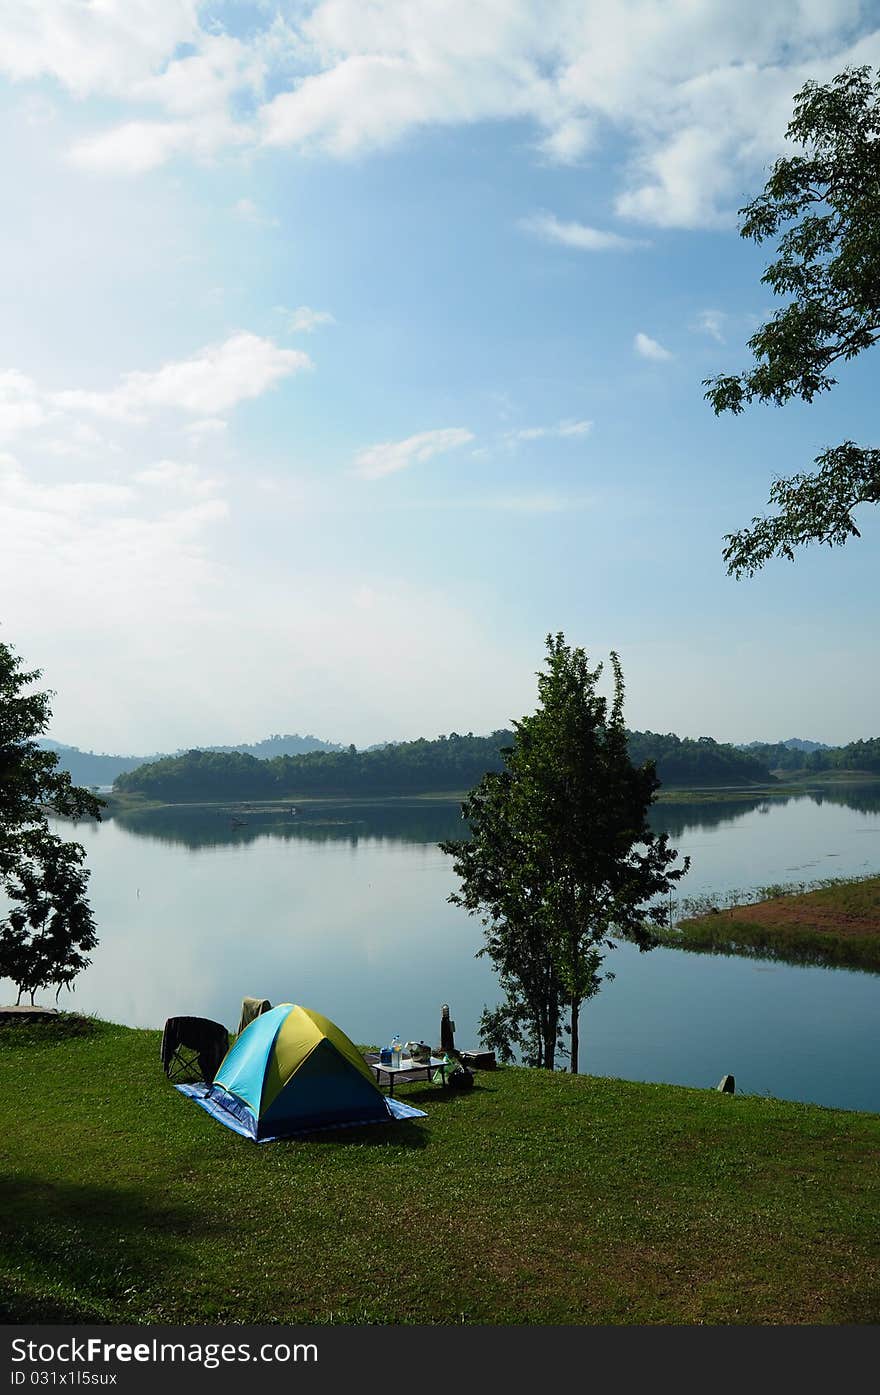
(561, 862)
(48, 930)
(828, 261)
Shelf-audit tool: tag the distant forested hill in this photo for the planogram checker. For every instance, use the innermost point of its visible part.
(449, 764)
(857, 755)
(89, 768)
(280, 746)
(411, 767)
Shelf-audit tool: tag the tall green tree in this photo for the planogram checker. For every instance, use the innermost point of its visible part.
(48, 930)
(823, 204)
(562, 862)
(497, 884)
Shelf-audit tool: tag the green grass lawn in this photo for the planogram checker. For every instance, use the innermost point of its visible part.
(537, 1198)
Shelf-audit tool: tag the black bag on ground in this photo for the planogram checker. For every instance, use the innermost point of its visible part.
(461, 1079)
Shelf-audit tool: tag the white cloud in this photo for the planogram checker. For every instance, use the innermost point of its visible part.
(174, 476)
(94, 48)
(649, 348)
(569, 141)
(28, 498)
(109, 576)
(202, 98)
(303, 320)
(80, 441)
(711, 322)
(204, 427)
(699, 92)
(133, 148)
(249, 212)
(563, 430)
(213, 380)
(578, 235)
(60, 425)
(20, 407)
(390, 456)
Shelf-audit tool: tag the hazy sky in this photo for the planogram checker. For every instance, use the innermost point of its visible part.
(348, 348)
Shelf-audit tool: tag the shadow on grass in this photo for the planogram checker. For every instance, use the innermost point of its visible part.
(403, 1134)
(428, 1095)
(77, 1253)
(46, 1031)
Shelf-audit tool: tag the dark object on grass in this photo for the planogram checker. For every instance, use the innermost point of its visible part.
(726, 1085)
(21, 1012)
(447, 1030)
(192, 1049)
(461, 1079)
(477, 1060)
(251, 1008)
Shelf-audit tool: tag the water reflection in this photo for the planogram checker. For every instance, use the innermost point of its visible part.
(680, 817)
(405, 821)
(421, 821)
(343, 907)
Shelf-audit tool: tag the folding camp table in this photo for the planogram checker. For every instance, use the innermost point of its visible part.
(408, 1067)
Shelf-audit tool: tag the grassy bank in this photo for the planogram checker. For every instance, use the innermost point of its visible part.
(537, 1198)
(836, 923)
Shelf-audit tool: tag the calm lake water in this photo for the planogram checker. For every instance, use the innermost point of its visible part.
(344, 910)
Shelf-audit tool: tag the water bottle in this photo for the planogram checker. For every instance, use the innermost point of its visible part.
(395, 1050)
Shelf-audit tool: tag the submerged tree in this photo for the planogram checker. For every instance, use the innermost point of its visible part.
(828, 262)
(562, 862)
(46, 935)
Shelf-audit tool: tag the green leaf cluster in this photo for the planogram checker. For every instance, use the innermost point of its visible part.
(823, 205)
(46, 935)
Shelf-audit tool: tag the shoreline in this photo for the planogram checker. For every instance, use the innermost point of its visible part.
(670, 794)
(833, 925)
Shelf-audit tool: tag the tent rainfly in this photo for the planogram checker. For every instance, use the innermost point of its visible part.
(293, 1071)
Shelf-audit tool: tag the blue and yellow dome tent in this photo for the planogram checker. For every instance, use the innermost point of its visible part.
(293, 1071)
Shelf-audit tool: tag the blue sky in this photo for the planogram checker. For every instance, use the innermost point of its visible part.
(348, 348)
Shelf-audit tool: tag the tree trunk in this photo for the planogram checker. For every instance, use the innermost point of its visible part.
(575, 1013)
(550, 1044)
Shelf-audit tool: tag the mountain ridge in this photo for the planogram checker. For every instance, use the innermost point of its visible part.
(102, 768)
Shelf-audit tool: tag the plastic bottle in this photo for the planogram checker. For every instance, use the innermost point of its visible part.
(395, 1050)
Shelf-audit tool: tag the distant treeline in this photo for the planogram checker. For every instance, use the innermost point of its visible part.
(858, 755)
(90, 768)
(450, 763)
(686, 762)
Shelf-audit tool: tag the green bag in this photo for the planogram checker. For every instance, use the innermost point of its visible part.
(450, 1065)
(457, 1076)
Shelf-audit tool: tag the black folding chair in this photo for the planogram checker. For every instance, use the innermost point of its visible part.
(192, 1049)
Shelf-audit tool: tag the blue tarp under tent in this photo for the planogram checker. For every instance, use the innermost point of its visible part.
(293, 1072)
